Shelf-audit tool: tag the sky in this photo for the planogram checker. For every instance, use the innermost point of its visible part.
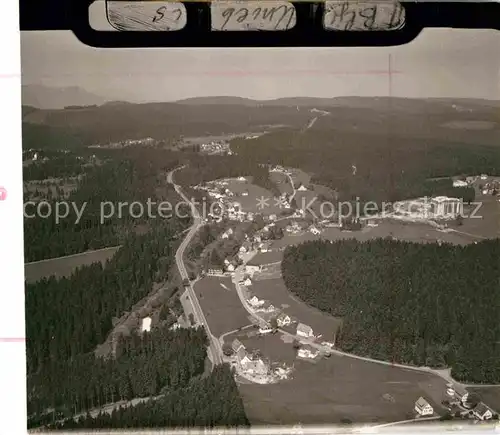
(439, 63)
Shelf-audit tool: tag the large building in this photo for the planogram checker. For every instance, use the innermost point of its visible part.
(440, 207)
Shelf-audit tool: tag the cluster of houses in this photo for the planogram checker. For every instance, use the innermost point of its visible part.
(216, 147)
(249, 362)
(460, 402)
(148, 141)
(491, 188)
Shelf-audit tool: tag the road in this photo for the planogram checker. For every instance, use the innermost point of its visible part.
(214, 349)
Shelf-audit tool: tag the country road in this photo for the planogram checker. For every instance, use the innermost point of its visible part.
(215, 349)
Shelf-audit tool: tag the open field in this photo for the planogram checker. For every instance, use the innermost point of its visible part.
(340, 388)
(221, 305)
(274, 291)
(64, 266)
(249, 203)
(266, 258)
(282, 182)
(410, 232)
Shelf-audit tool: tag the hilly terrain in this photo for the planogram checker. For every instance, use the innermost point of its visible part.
(44, 97)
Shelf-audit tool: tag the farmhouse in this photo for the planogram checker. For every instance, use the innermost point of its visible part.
(304, 330)
(255, 302)
(307, 352)
(423, 407)
(283, 319)
(236, 345)
(251, 268)
(460, 183)
(264, 328)
(482, 412)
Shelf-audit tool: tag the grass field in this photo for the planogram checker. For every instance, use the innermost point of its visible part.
(282, 182)
(410, 232)
(338, 388)
(266, 258)
(64, 266)
(249, 203)
(221, 305)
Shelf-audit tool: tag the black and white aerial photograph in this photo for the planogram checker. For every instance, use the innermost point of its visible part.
(262, 238)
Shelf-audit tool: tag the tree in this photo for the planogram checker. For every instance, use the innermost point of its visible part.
(296, 344)
(274, 323)
(191, 319)
(227, 349)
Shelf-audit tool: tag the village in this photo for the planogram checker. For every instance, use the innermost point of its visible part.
(261, 321)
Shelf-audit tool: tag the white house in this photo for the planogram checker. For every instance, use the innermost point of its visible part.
(230, 267)
(244, 193)
(252, 268)
(236, 345)
(460, 183)
(146, 324)
(304, 330)
(242, 179)
(243, 250)
(484, 177)
(283, 320)
(307, 353)
(272, 217)
(215, 272)
(265, 328)
(255, 302)
(423, 407)
(247, 282)
(302, 188)
(482, 412)
(314, 230)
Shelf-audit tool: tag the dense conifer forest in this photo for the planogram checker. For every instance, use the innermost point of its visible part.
(418, 304)
(211, 401)
(387, 168)
(125, 176)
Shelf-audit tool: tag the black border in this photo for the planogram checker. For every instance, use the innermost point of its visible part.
(308, 32)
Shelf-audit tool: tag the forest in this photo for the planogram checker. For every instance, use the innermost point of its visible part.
(125, 176)
(373, 167)
(211, 401)
(417, 304)
(145, 365)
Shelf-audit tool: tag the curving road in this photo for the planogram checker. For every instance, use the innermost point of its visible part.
(214, 349)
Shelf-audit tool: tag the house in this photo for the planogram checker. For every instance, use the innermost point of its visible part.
(252, 268)
(241, 354)
(146, 324)
(283, 319)
(314, 230)
(460, 183)
(230, 267)
(272, 217)
(250, 216)
(423, 407)
(482, 412)
(307, 352)
(264, 328)
(242, 179)
(302, 188)
(243, 249)
(214, 271)
(304, 330)
(255, 366)
(244, 193)
(236, 345)
(247, 282)
(484, 177)
(255, 302)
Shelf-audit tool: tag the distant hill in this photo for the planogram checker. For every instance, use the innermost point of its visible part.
(409, 105)
(44, 97)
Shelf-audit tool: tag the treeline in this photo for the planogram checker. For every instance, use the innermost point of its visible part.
(372, 167)
(206, 235)
(203, 168)
(70, 316)
(60, 166)
(161, 121)
(212, 401)
(147, 364)
(417, 304)
(127, 176)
